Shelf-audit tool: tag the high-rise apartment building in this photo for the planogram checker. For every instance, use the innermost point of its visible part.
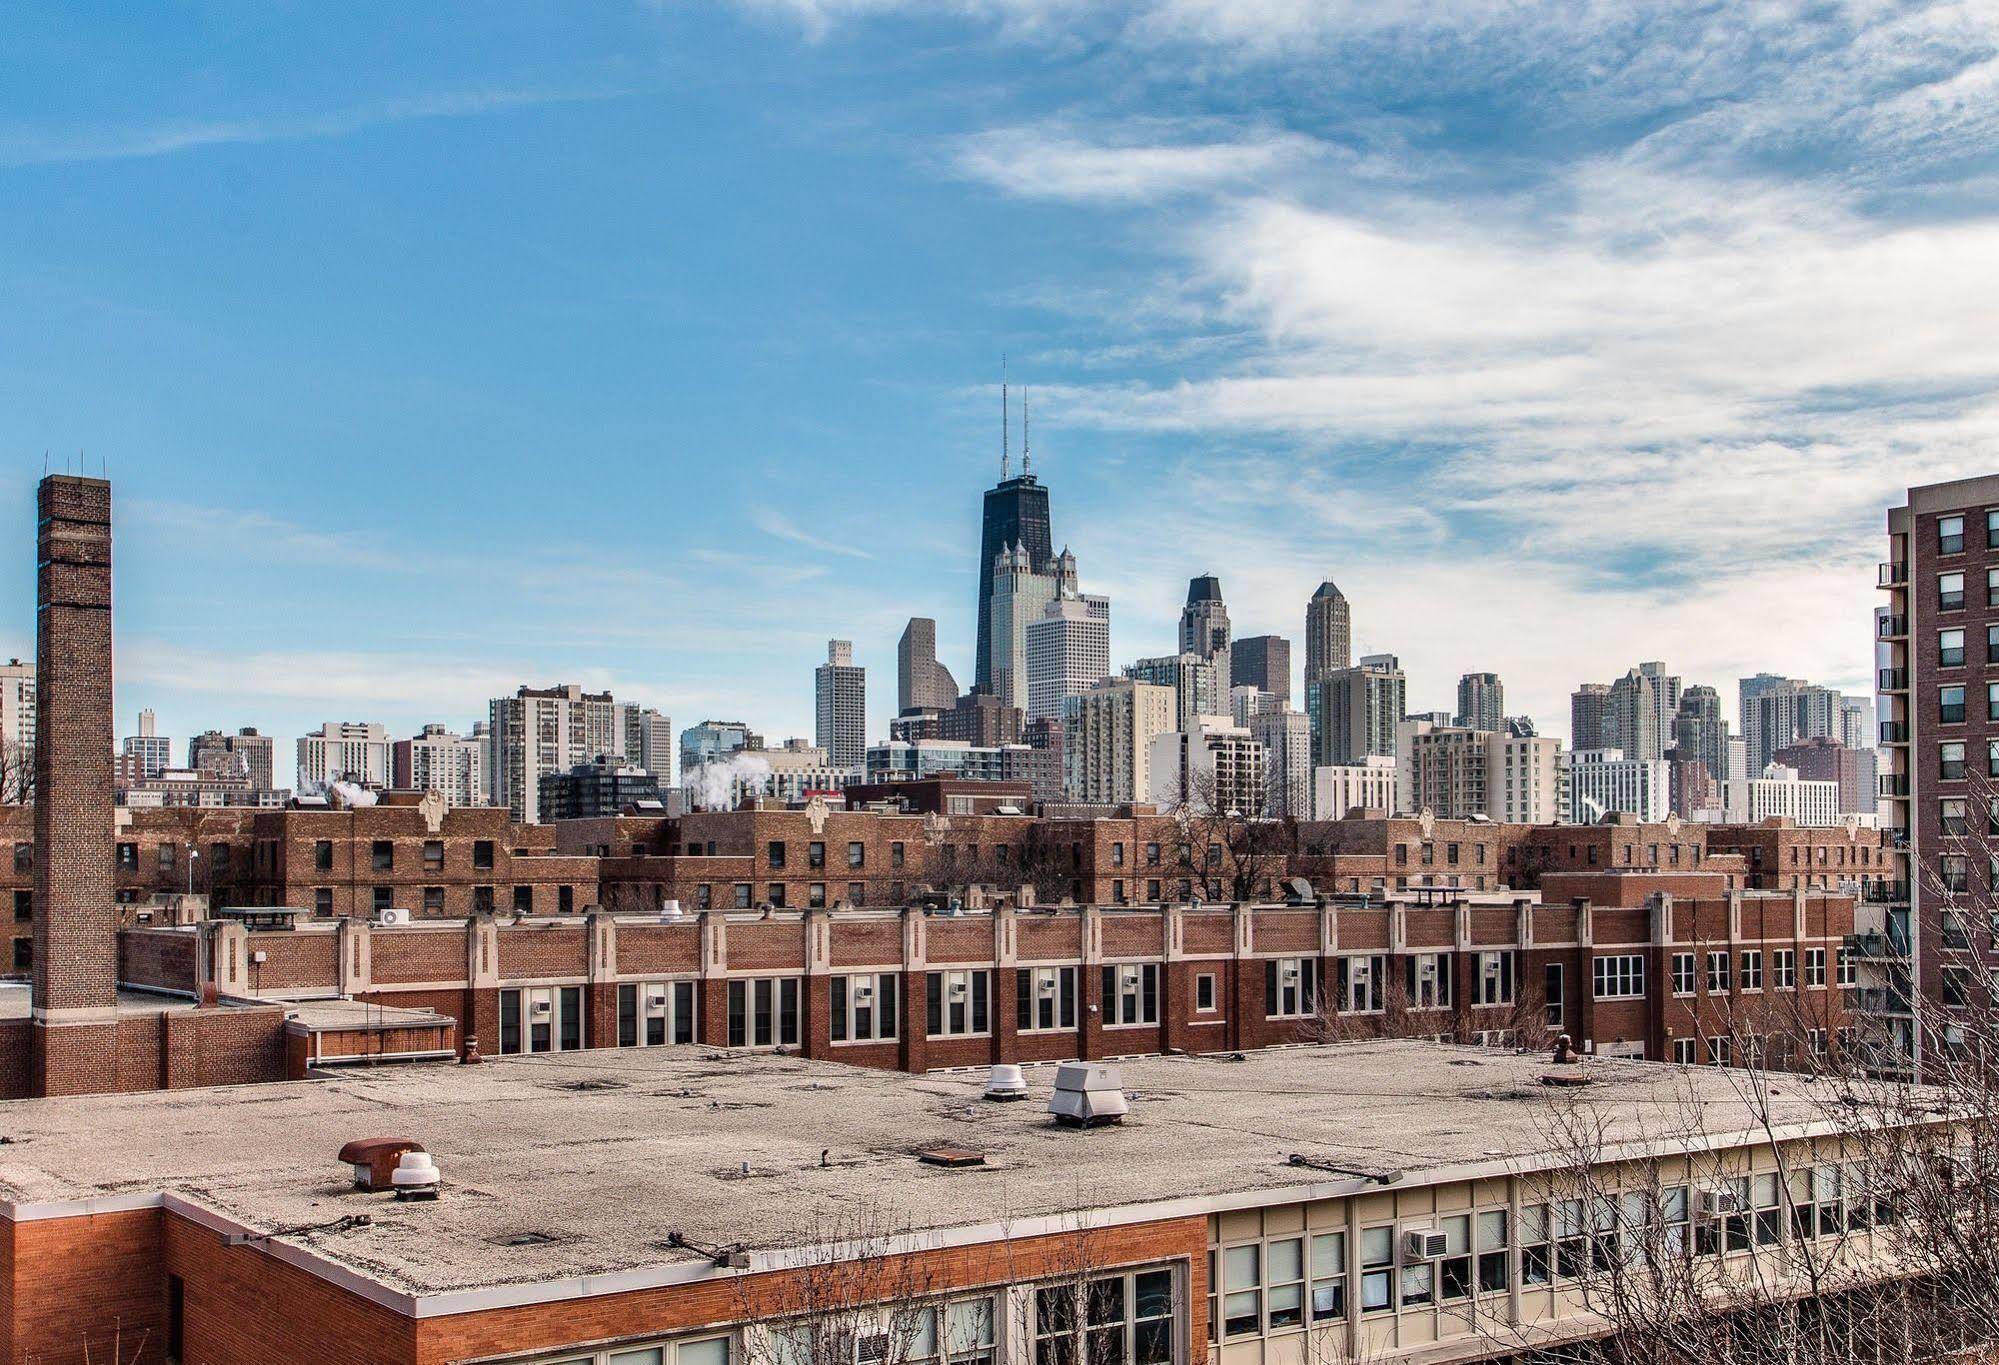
(1068, 651)
(1262, 662)
(1639, 710)
(1328, 632)
(1217, 766)
(1822, 759)
(1600, 782)
(1355, 710)
(840, 690)
(246, 751)
(920, 681)
(1196, 683)
(1481, 702)
(1524, 779)
(1015, 515)
(1021, 593)
(1286, 737)
(1447, 771)
(1204, 626)
(546, 730)
(345, 751)
(1778, 715)
(1700, 735)
(1340, 788)
(150, 753)
(17, 732)
(1107, 735)
(1856, 722)
(648, 740)
(1781, 792)
(454, 766)
(1587, 706)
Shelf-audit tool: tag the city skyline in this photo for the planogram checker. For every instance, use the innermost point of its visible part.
(442, 566)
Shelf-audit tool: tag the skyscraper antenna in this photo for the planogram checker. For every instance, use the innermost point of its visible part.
(1006, 443)
(1026, 453)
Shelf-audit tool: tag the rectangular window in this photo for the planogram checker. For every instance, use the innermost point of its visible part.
(1752, 970)
(958, 1004)
(524, 900)
(1683, 973)
(1950, 591)
(1619, 976)
(857, 855)
(1992, 644)
(1204, 993)
(655, 1013)
(1044, 999)
(383, 855)
(1492, 983)
(1950, 703)
(1950, 760)
(1814, 966)
(763, 1011)
(322, 855)
(128, 857)
(815, 896)
(1427, 979)
(1377, 1270)
(24, 857)
(1551, 994)
(1127, 1319)
(24, 906)
(815, 855)
(863, 1007)
(1290, 987)
(1783, 969)
(774, 854)
(433, 855)
(742, 895)
(1992, 587)
(1683, 1051)
(1717, 973)
(1951, 812)
(1845, 966)
(1992, 529)
(541, 1019)
(1954, 871)
(482, 854)
(1117, 855)
(895, 854)
(1131, 993)
(1329, 1276)
(1950, 535)
(433, 900)
(1950, 648)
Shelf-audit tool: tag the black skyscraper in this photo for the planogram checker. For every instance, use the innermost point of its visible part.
(1016, 512)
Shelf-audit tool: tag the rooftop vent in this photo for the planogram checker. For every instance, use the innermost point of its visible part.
(1086, 1095)
(670, 912)
(374, 1160)
(1006, 1082)
(416, 1176)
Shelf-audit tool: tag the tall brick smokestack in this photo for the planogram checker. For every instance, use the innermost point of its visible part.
(75, 997)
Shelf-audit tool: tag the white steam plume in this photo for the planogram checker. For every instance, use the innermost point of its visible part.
(717, 785)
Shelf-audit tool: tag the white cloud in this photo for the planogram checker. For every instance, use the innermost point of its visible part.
(774, 523)
(1043, 162)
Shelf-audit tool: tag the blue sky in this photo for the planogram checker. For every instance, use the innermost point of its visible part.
(436, 349)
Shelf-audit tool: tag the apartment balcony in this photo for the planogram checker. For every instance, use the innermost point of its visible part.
(1892, 680)
(1894, 732)
(1893, 627)
(1894, 574)
(1879, 1000)
(1894, 786)
(1879, 947)
(1885, 893)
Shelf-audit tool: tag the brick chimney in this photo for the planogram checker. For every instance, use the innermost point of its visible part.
(75, 996)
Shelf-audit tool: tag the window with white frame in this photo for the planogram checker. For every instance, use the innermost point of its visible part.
(1131, 993)
(541, 1019)
(1814, 966)
(1377, 1269)
(694, 1351)
(1290, 987)
(1361, 983)
(1717, 973)
(1619, 976)
(1683, 973)
(1720, 1051)
(763, 1011)
(1752, 970)
(1847, 974)
(1427, 979)
(864, 1006)
(1044, 998)
(1683, 1051)
(654, 1013)
(960, 1332)
(1204, 993)
(1492, 980)
(1127, 1319)
(1783, 969)
(958, 1004)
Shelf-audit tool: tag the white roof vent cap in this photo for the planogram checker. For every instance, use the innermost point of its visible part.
(1006, 1082)
(416, 1176)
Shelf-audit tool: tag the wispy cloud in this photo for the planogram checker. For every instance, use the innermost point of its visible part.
(28, 146)
(1134, 164)
(775, 523)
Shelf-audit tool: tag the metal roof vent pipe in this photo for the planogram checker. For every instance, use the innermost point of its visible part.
(1006, 1082)
(416, 1177)
(1087, 1095)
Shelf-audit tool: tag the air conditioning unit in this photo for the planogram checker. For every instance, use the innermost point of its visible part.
(1127, 978)
(960, 989)
(656, 1002)
(1046, 986)
(1287, 975)
(1719, 1199)
(1492, 969)
(864, 995)
(1427, 970)
(1361, 969)
(870, 1348)
(1423, 1244)
(542, 1005)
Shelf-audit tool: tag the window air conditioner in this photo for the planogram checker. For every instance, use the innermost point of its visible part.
(1127, 978)
(1492, 970)
(1427, 970)
(543, 1006)
(1423, 1244)
(1360, 970)
(864, 995)
(1288, 975)
(1046, 985)
(960, 989)
(871, 1348)
(1718, 1200)
(656, 1002)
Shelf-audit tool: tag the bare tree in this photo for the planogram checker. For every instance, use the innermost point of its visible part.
(860, 1297)
(17, 775)
(1236, 841)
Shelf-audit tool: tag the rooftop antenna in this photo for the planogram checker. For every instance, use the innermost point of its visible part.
(1006, 444)
(1026, 457)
